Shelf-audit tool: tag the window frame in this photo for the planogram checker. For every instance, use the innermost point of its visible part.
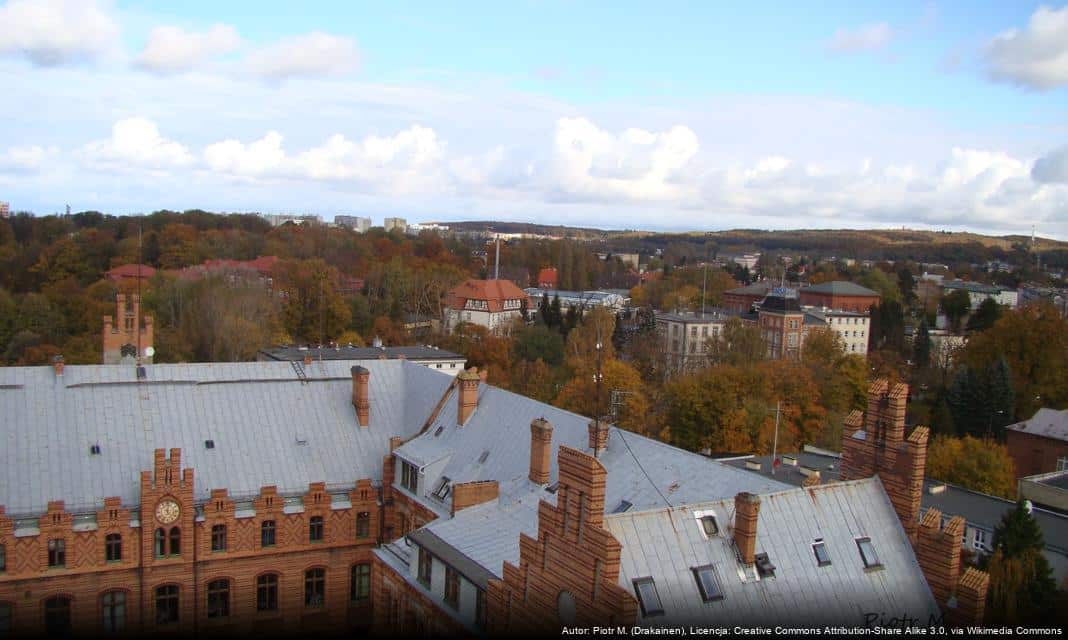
(111, 600)
(480, 608)
(6, 614)
(701, 516)
(170, 595)
(648, 611)
(452, 587)
(315, 588)
(57, 553)
(267, 592)
(159, 542)
(360, 582)
(218, 591)
(426, 567)
(316, 529)
(58, 603)
(218, 537)
(174, 541)
(717, 586)
(113, 547)
(443, 489)
(3, 558)
(268, 530)
(363, 524)
(869, 563)
(820, 545)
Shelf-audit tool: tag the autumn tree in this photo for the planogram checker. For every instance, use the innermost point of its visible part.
(583, 341)
(921, 346)
(580, 395)
(973, 463)
(985, 316)
(738, 344)
(312, 308)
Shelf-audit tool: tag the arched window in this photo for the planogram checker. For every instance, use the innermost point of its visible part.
(161, 543)
(218, 537)
(267, 533)
(113, 608)
(176, 541)
(57, 615)
(167, 604)
(315, 529)
(57, 552)
(267, 592)
(219, 598)
(113, 547)
(314, 587)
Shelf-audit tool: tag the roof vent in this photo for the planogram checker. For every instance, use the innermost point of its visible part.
(302, 439)
(936, 489)
(94, 450)
(141, 372)
(209, 444)
(437, 432)
(753, 465)
(482, 458)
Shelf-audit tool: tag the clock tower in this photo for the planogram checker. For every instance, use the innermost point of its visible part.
(167, 517)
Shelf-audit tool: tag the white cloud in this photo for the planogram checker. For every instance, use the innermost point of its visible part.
(312, 54)
(1037, 56)
(255, 159)
(55, 32)
(1052, 167)
(868, 37)
(136, 143)
(173, 50)
(26, 159)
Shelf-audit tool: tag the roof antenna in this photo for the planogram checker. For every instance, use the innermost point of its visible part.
(597, 402)
(140, 259)
(497, 268)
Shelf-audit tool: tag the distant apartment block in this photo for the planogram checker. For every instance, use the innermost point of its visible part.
(416, 228)
(279, 219)
(399, 224)
(356, 223)
(5, 210)
(978, 292)
(851, 327)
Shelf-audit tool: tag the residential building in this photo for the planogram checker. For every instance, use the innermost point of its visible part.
(978, 292)
(548, 278)
(493, 304)
(278, 219)
(400, 224)
(1039, 445)
(742, 299)
(427, 356)
(852, 327)
(5, 210)
(840, 295)
(130, 273)
(580, 299)
(748, 260)
(128, 336)
(415, 228)
(782, 324)
(356, 223)
(684, 337)
(1033, 294)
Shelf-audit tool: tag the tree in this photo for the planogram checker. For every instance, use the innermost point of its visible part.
(985, 316)
(921, 346)
(1022, 588)
(877, 280)
(596, 328)
(973, 463)
(956, 304)
(313, 310)
(538, 342)
(739, 344)
(887, 326)
(907, 285)
(982, 401)
(580, 395)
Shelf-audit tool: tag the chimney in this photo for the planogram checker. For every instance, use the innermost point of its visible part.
(468, 397)
(541, 446)
(746, 510)
(598, 433)
(360, 376)
(307, 359)
(57, 365)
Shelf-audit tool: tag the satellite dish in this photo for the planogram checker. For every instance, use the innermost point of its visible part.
(150, 351)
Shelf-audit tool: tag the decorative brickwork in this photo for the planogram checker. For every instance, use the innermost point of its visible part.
(569, 574)
(971, 598)
(597, 433)
(127, 332)
(938, 552)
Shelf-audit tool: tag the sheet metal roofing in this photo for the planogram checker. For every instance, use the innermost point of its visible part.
(666, 544)
(1047, 423)
(840, 288)
(342, 352)
(256, 413)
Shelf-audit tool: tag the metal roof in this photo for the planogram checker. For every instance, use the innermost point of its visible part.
(341, 352)
(840, 288)
(694, 317)
(1046, 423)
(666, 544)
(256, 413)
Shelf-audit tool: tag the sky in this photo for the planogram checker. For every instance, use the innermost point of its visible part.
(653, 115)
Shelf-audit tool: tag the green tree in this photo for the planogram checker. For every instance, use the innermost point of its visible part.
(985, 316)
(1022, 588)
(906, 285)
(956, 304)
(877, 280)
(921, 346)
(538, 342)
(982, 401)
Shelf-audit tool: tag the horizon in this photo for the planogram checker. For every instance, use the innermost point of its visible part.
(932, 116)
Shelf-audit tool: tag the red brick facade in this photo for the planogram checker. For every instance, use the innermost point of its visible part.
(127, 328)
(1033, 454)
(87, 580)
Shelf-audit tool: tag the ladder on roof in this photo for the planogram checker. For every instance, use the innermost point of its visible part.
(298, 366)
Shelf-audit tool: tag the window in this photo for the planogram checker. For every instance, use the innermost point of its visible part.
(820, 549)
(708, 525)
(409, 476)
(167, 604)
(57, 615)
(219, 599)
(480, 609)
(57, 553)
(113, 547)
(363, 524)
(452, 587)
(113, 608)
(979, 540)
(176, 541)
(3, 559)
(867, 553)
(267, 533)
(707, 583)
(161, 543)
(5, 619)
(1062, 463)
(648, 598)
(360, 583)
(315, 529)
(763, 565)
(314, 587)
(267, 592)
(442, 490)
(218, 537)
(424, 567)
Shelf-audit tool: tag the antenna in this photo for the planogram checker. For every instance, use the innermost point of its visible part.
(704, 284)
(497, 268)
(597, 405)
(775, 441)
(140, 259)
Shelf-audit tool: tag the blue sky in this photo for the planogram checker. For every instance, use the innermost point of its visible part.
(663, 115)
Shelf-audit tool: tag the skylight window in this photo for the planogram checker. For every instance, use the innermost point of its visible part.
(623, 506)
(820, 549)
(482, 458)
(553, 487)
(708, 583)
(709, 524)
(437, 432)
(442, 490)
(94, 450)
(867, 553)
(648, 598)
(209, 444)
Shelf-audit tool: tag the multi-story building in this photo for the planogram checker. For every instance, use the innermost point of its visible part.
(493, 304)
(430, 357)
(128, 336)
(400, 224)
(279, 219)
(851, 327)
(1039, 445)
(742, 299)
(841, 295)
(5, 210)
(684, 337)
(782, 324)
(356, 223)
(978, 292)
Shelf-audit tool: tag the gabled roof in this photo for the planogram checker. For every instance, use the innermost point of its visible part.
(840, 288)
(493, 292)
(1046, 423)
(756, 289)
(666, 544)
(255, 412)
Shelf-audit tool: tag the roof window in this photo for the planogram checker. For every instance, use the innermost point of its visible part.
(709, 525)
(764, 567)
(708, 583)
(648, 598)
(94, 449)
(209, 444)
(820, 549)
(624, 505)
(867, 553)
(442, 490)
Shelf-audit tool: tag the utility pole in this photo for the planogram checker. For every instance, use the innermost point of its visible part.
(497, 267)
(140, 259)
(775, 440)
(704, 284)
(597, 378)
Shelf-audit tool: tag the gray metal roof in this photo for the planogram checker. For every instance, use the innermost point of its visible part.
(1046, 423)
(840, 288)
(343, 352)
(694, 317)
(254, 412)
(665, 544)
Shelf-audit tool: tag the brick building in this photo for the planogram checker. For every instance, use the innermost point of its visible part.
(841, 295)
(782, 324)
(742, 299)
(131, 273)
(1039, 445)
(548, 278)
(127, 335)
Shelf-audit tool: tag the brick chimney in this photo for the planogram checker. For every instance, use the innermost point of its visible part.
(307, 359)
(467, 381)
(598, 436)
(469, 494)
(57, 365)
(541, 446)
(746, 510)
(938, 552)
(360, 376)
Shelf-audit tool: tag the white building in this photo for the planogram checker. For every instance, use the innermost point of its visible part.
(356, 223)
(581, 299)
(494, 304)
(684, 337)
(978, 292)
(395, 223)
(278, 219)
(853, 328)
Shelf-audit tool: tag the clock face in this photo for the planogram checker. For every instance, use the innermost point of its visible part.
(167, 511)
